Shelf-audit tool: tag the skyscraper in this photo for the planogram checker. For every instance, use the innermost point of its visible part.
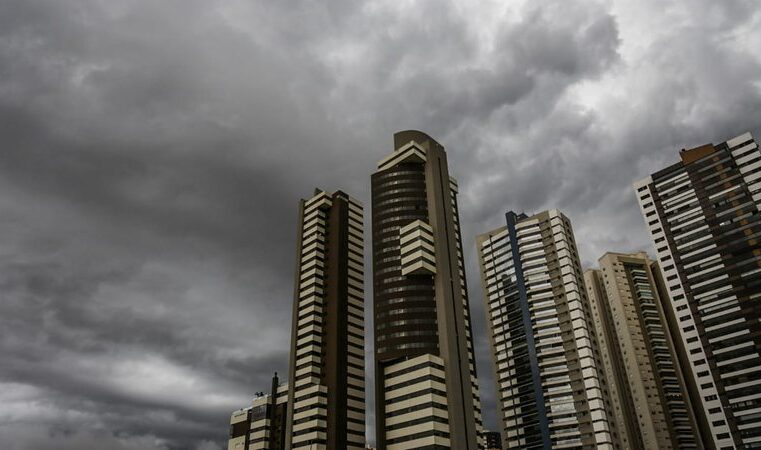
(703, 216)
(426, 387)
(327, 378)
(550, 383)
(650, 401)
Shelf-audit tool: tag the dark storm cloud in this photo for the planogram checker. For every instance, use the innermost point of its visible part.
(153, 153)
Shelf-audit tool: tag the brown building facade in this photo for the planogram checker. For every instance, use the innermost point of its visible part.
(327, 379)
(493, 440)
(704, 217)
(426, 386)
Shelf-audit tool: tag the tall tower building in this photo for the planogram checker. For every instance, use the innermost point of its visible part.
(550, 383)
(703, 216)
(327, 377)
(426, 388)
(650, 402)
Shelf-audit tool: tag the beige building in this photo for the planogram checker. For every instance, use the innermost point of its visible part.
(550, 382)
(646, 387)
(262, 425)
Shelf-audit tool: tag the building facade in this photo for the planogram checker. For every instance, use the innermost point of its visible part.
(493, 440)
(647, 390)
(327, 377)
(240, 428)
(426, 385)
(550, 383)
(703, 217)
(261, 426)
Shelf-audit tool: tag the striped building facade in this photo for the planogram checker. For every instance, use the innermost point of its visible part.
(703, 214)
(240, 427)
(649, 397)
(261, 426)
(426, 386)
(550, 383)
(327, 379)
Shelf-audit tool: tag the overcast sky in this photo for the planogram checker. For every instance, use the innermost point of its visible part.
(152, 154)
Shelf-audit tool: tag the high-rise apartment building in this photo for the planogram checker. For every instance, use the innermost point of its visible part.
(426, 387)
(261, 426)
(703, 216)
(550, 383)
(647, 391)
(240, 427)
(327, 377)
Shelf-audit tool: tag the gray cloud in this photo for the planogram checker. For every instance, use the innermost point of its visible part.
(153, 154)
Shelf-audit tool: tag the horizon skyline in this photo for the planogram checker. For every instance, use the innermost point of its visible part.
(154, 153)
(649, 251)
